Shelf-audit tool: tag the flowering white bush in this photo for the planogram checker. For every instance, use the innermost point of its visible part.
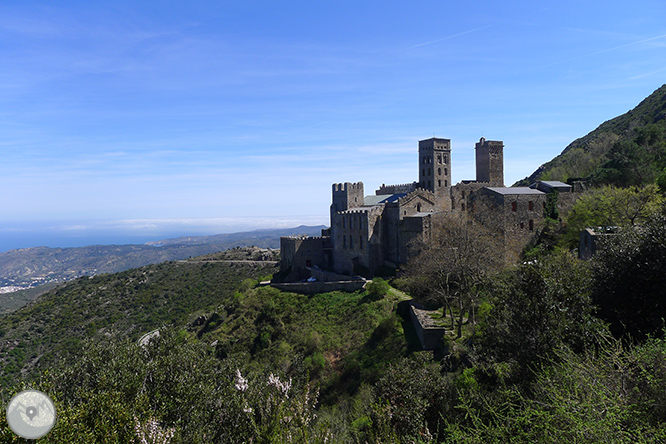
(241, 383)
(277, 411)
(282, 386)
(150, 432)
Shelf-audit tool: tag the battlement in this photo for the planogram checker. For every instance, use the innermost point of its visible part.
(396, 189)
(347, 186)
(347, 195)
(304, 237)
(354, 211)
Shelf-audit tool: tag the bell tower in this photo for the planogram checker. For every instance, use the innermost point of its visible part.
(435, 170)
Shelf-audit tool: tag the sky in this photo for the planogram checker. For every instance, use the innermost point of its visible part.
(158, 118)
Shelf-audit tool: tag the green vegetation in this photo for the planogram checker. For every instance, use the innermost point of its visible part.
(550, 350)
(612, 207)
(124, 305)
(627, 150)
(239, 362)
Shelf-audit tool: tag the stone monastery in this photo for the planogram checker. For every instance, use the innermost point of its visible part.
(375, 231)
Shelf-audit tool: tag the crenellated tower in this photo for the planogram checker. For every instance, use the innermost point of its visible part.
(435, 169)
(347, 195)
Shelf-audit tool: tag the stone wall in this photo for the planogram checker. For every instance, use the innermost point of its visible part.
(396, 189)
(430, 333)
(320, 287)
(297, 252)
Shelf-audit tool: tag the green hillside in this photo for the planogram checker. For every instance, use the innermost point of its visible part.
(123, 305)
(627, 150)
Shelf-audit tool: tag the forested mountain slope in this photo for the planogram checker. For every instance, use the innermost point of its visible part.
(627, 150)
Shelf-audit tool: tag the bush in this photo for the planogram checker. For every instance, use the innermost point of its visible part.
(378, 288)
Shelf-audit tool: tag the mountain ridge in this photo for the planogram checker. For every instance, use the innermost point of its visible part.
(29, 267)
(585, 155)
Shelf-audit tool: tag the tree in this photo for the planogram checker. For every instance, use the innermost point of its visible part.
(630, 278)
(451, 268)
(610, 206)
(537, 308)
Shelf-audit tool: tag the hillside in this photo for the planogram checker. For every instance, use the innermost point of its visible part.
(212, 298)
(122, 305)
(35, 266)
(626, 150)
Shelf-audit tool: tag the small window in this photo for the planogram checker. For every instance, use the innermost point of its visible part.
(428, 171)
(446, 183)
(446, 171)
(360, 242)
(439, 183)
(531, 205)
(344, 224)
(344, 241)
(439, 171)
(514, 206)
(522, 225)
(351, 241)
(418, 207)
(531, 225)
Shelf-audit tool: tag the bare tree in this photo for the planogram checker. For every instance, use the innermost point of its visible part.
(452, 266)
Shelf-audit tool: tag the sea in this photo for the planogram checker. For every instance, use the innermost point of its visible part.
(66, 234)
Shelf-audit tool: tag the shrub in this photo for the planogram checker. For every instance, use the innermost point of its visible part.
(378, 288)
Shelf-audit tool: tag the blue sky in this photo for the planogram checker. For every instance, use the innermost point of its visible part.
(216, 114)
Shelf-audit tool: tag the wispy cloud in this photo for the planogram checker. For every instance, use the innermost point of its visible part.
(449, 37)
(602, 51)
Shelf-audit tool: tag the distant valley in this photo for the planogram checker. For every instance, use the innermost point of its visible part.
(32, 267)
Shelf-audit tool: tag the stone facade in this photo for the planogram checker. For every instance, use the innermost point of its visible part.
(374, 231)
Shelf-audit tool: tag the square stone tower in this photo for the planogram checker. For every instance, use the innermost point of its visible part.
(435, 170)
(490, 162)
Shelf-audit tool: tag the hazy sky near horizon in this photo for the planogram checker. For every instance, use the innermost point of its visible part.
(199, 110)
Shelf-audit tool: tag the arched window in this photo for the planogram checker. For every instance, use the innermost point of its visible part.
(418, 207)
(360, 242)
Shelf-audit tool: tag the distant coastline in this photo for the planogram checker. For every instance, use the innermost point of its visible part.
(73, 234)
